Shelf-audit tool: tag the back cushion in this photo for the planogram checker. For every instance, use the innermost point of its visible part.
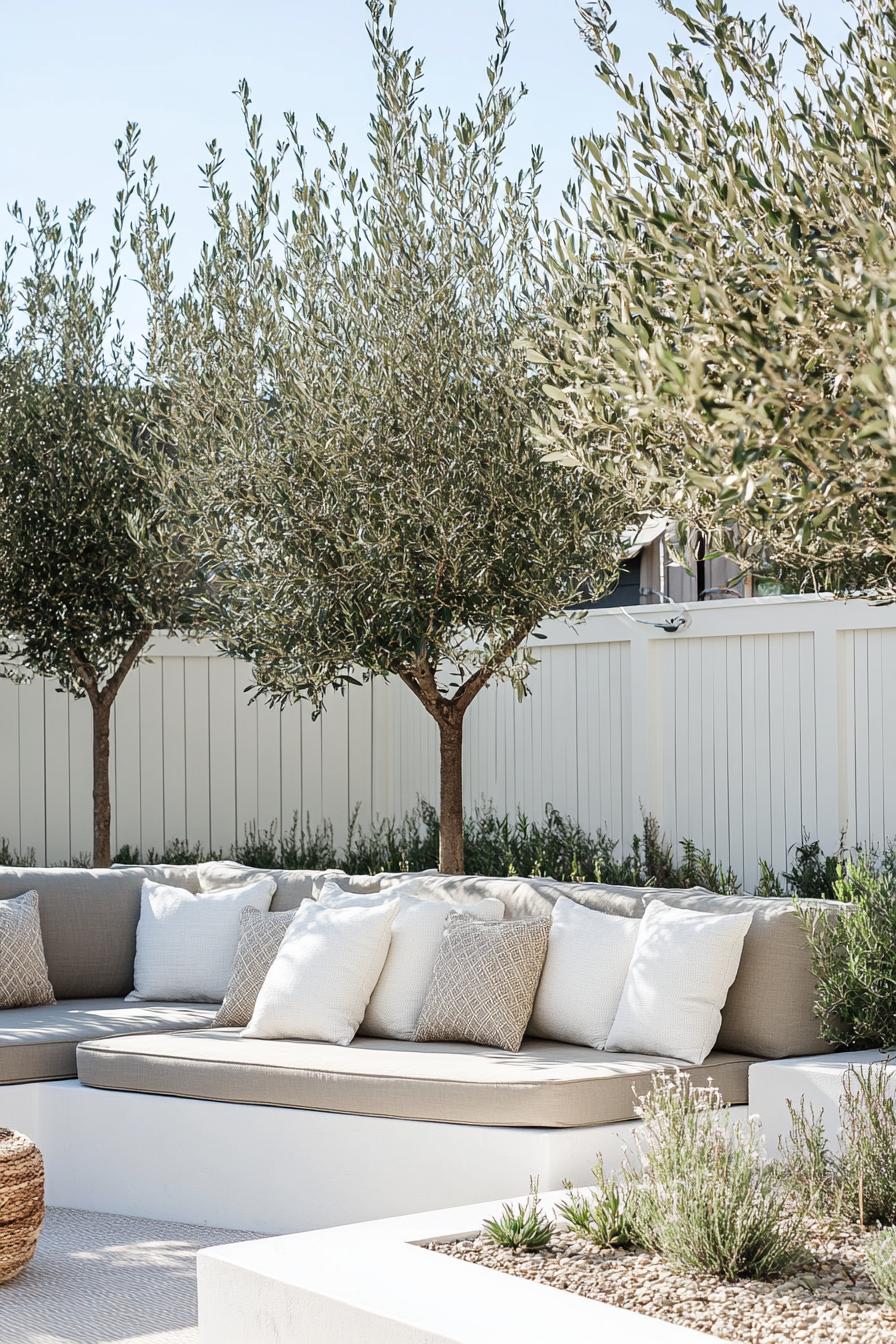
(88, 921)
(770, 1007)
(522, 897)
(184, 875)
(294, 885)
(526, 897)
(769, 1011)
(367, 884)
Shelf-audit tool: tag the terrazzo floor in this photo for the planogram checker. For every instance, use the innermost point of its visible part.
(102, 1279)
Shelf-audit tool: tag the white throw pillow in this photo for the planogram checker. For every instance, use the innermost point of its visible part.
(416, 936)
(186, 941)
(323, 976)
(683, 966)
(588, 958)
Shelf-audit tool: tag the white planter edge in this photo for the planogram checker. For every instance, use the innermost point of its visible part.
(373, 1283)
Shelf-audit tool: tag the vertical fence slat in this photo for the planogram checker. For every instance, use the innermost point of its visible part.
(334, 766)
(861, 736)
(245, 731)
(80, 777)
(128, 775)
(888, 733)
(10, 765)
(291, 765)
(222, 754)
(197, 753)
(808, 810)
(32, 781)
(56, 769)
(875, 692)
(174, 747)
(152, 804)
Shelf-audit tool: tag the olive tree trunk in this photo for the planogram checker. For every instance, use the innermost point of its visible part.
(102, 806)
(451, 802)
(102, 698)
(448, 712)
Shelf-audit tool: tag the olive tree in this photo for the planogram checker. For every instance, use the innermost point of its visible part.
(351, 374)
(86, 572)
(731, 254)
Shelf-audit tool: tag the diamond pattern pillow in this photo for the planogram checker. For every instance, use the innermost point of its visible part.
(24, 982)
(261, 933)
(484, 981)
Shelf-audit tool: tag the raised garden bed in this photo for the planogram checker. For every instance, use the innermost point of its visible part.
(828, 1300)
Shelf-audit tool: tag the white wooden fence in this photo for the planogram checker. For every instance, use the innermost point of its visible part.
(761, 719)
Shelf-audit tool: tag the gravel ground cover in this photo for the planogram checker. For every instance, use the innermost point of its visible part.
(829, 1300)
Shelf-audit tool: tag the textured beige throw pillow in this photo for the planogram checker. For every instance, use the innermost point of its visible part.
(261, 933)
(484, 981)
(396, 1001)
(24, 982)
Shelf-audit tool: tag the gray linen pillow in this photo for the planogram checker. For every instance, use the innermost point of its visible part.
(261, 933)
(484, 981)
(24, 981)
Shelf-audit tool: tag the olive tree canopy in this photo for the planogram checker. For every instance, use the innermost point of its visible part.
(733, 256)
(351, 373)
(86, 571)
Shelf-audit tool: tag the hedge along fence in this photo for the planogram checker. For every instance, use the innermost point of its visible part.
(500, 845)
(762, 721)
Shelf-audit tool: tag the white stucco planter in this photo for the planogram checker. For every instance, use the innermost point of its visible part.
(371, 1284)
(819, 1079)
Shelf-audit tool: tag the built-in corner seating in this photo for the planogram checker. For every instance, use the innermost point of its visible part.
(284, 1135)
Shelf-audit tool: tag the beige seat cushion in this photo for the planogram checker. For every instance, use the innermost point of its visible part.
(544, 1084)
(41, 1043)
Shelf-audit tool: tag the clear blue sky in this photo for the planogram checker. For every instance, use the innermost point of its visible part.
(75, 71)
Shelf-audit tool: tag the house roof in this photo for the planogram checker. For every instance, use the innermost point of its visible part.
(639, 535)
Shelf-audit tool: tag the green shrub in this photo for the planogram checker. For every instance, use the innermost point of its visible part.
(857, 1183)
(495, 844)
(854, 956)
(880, 1258)
(867, 1162)
(602, 1215)
(812, 876)
(808, 1166)
(705, 1198)
(521, 1227)
(10, 858)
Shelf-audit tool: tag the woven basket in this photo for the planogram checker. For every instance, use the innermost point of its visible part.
(21, 1201)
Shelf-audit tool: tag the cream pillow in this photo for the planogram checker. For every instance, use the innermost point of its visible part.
(588, 959)
(323, 975)
(186, 941)
(416, 935)
(683, 966)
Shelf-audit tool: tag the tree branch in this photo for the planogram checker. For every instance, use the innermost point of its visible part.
(473, 685)
(86, 674)
(422, 681)
(113, 685)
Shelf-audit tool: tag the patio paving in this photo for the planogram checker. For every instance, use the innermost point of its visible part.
(102, 1279)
